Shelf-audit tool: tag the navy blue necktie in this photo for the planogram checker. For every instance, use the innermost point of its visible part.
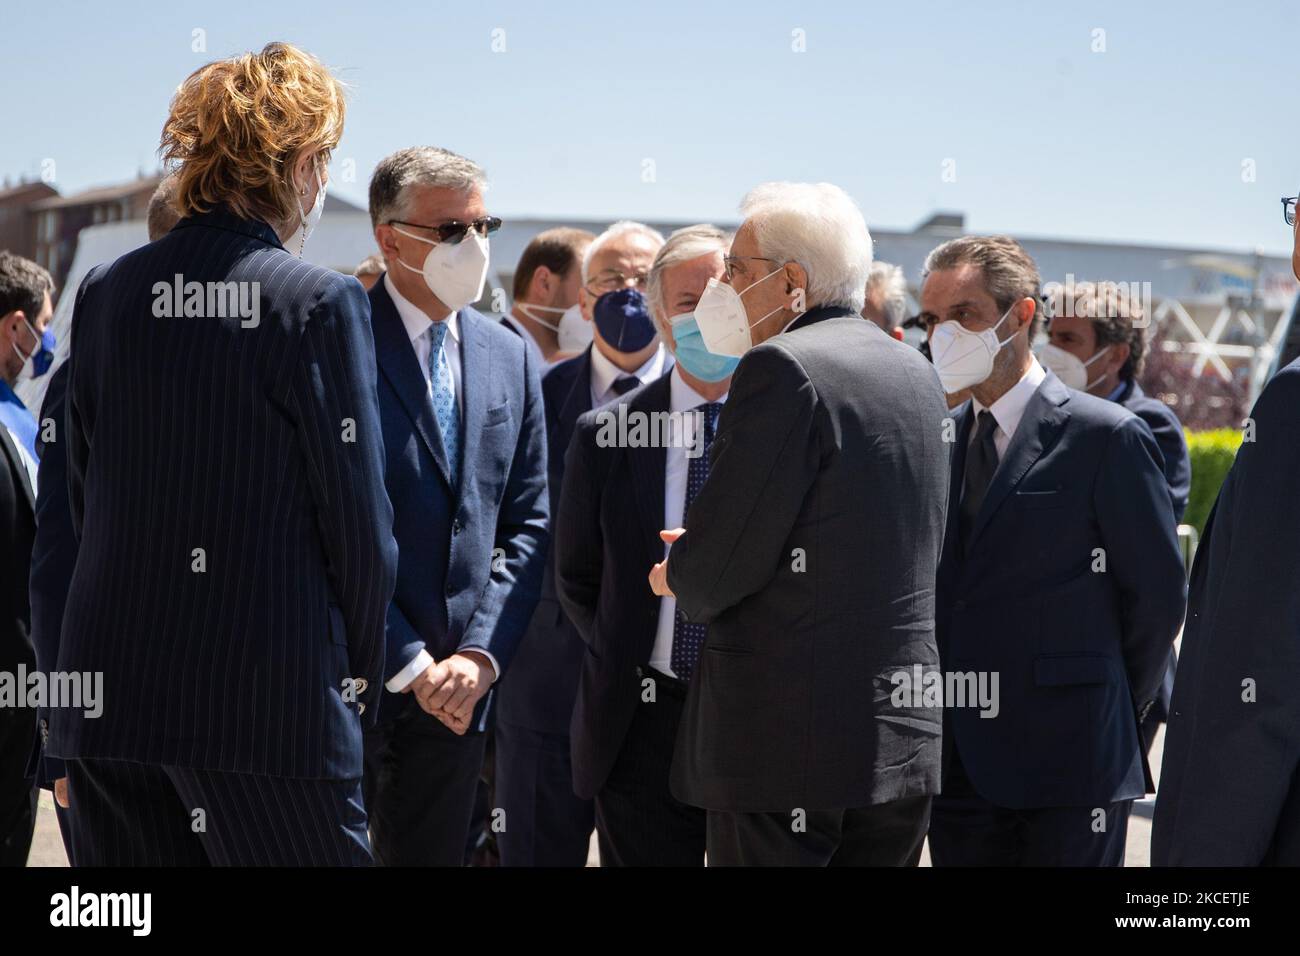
(689, 638)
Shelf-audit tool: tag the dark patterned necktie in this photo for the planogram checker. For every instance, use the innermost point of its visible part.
(625, 383)
(689, 638)
(981, 463)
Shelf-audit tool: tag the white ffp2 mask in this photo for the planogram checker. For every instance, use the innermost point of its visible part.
(964, 358)
(454, 272)
(724, 324)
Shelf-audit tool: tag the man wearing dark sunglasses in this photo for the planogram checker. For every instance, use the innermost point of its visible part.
(461, 407)
(1230, 777)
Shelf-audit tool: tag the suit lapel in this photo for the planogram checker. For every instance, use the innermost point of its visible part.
(1039, 428)
(576, 403)
(399, 366)
(17, 467)
(647, 465)
(476, 379)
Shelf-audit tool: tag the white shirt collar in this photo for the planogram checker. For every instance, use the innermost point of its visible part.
(1010, 408)
(416, 321)
(604, 372)
(683, 398)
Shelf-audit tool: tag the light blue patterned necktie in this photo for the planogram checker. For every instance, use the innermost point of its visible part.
(444, 399)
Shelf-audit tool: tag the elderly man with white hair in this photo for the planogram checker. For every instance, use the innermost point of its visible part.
(548, 824)
(640, 653)
(810, 553)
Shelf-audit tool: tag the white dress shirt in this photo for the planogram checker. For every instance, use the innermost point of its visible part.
(529, 342)
(682, 398)
(419, 327)
(1009, 409)
(25, 457)
(604, 373)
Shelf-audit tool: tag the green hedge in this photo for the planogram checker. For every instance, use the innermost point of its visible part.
(1212, 454)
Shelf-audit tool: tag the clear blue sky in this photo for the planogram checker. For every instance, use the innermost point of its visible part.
(1143, 142)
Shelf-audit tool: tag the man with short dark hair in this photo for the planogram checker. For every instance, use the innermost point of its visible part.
(1098, 344)
(546, 286)
(1060, 589)
(25, 310)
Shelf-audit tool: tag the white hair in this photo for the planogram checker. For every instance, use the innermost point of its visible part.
(684, 245)
(890, 279)
(622, 227)
(820, 227)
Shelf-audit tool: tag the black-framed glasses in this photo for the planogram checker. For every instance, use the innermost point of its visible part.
(1288, 209)
(453, 230)
(612, 279)
(731, 266)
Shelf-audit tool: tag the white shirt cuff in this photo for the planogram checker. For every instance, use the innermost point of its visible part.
(496, 668)
(402, 679)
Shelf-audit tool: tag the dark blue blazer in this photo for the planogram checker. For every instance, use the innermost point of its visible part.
(54, 552)
(540, 691)
(471, 554)
(235, 554)
(1230, 777)
(1168, 432)
(610, 513)
(1078, 652)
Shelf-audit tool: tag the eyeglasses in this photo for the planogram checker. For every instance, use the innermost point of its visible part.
(732, 266)
(453, 231)
(612, 279)
(1288, 209)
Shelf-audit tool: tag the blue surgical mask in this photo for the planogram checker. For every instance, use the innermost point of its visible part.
(43, 357)
(623, 320)
(693, 356)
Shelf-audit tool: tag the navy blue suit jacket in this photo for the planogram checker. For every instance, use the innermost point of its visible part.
(471, 555)
(235, 554)
(610, 514)
(1168, 432)
(1078, 652)
(1230, 779)
(540, 692)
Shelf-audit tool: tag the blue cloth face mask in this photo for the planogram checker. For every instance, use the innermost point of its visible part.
(623, 320)
(43, 357)
(692, 354)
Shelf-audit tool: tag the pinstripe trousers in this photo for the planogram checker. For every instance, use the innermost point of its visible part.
(134, 814)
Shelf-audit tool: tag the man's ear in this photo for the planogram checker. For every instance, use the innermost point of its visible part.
(1121, 353)
(386, 239)
(1026, 309)
(796, 279)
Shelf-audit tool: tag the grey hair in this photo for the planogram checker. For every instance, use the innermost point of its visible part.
(819, 226)
(893, 283)
(622, 227)
(1010, 273)
(687, 243)
(418, 166)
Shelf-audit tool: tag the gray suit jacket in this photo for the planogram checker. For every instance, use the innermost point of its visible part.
(811, 553)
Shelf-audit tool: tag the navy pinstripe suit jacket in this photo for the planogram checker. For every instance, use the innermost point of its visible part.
(259, 444)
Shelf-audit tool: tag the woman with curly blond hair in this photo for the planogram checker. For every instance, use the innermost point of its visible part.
(235, 556)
